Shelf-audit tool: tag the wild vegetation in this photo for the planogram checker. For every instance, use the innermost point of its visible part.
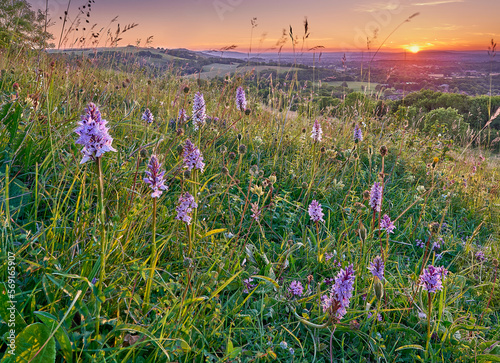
(157, 218)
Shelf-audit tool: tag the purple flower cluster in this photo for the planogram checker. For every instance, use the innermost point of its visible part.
(192, 157)
(241, 101)
(256, 211)
(376, 197)
(420, 243)
(93, 134)
(377, 268)
(358, 135)
(185, 208)
(316, 131)
(480, 256)
(183, 117)
(199, 111)
(437, 245)
(296, 288)
(386, 224)
(341, 293)
(148, 116)
(316, 212)
(155, 177)
(248, 285)
(432, 278)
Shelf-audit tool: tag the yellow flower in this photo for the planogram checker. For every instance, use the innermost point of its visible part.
(436, 159)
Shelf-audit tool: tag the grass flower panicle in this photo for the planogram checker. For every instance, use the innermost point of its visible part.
(241, 101)
(193, 159)
(317, 132)
(154, 177)
(94, 135)
(185, 207)
(199, 111)
(316, 212)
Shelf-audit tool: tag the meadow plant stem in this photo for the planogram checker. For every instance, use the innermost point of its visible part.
(319, 246)
(429, 310)
(100, 187)
(153, 262)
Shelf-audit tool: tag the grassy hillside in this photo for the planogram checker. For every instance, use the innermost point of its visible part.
(119, 276)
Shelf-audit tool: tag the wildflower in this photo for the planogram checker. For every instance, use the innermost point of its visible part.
(148, 116)
(93, 134)
(155, 177)
(241, 101)
(358, 135)
(185, 208)
(328, 256)
(480, 256)
(387, 224)
(328, 281)
(437, 245)
(376, 197)
(316, 131)
(182, 116)
(199, 111)
(284, 345)
(340, 294)
(439, 256)
(256, 211)
(296, 288)
(248, 285)
(419, 243)
(432, 278)
(316, 212)
(377, 267)
(379, 316)
(192, 157)
(292, 351)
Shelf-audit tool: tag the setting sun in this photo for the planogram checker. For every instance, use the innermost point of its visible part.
(414, 48)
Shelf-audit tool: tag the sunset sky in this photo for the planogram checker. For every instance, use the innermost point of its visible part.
(335, 24)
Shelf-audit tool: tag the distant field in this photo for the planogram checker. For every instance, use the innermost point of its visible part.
(356, 86)
(217, 69)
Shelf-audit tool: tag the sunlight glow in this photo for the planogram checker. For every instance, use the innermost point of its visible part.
(414, 48)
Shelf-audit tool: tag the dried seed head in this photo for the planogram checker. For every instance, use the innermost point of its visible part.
(239, 136)
(180, 131)
(272, 179)
(434, 227)
(366, 195)
(383, 150)
(248, 112)
(242, 149)
(225, 170)
(187, 174)
(304, 185)
(495, 262)
(180, 149)
(304, 130)
(186, 89)
(322, 150)
(232, 155)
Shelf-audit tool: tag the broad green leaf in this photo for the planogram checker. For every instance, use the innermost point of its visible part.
(62, 337)
(33, 345)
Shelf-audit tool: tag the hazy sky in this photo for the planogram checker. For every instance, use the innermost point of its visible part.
(334, 24)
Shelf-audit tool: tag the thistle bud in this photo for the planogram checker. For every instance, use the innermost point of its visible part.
(383, 150)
